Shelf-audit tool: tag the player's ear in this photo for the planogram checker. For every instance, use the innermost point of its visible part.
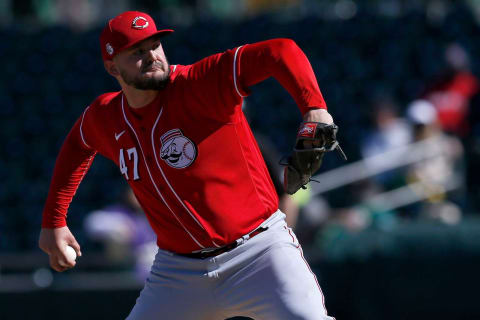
(111, 68)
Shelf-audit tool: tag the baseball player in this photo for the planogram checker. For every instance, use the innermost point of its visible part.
(180, 139)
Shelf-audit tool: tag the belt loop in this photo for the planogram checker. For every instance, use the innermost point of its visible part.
(242, 240)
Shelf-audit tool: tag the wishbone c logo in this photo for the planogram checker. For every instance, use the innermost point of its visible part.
(139, 23)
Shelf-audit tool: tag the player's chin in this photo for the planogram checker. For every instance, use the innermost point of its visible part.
(154, 77)
(156, 73)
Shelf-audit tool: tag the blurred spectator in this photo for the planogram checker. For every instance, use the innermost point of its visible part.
(451, 91)
(434, 184)
(442, 170)
(390, 131)
(123, 232)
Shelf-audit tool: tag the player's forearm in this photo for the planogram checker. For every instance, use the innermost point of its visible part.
(286, 62)
(71, 166)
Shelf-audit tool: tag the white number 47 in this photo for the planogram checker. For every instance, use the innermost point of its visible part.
(124, 168)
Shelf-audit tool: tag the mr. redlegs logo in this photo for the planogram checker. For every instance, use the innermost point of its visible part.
(307, 130)
(177, 150)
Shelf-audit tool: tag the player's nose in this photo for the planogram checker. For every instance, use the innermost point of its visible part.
(152, 55)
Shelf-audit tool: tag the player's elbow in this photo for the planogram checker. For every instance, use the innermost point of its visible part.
(286, 43)
(284, 47)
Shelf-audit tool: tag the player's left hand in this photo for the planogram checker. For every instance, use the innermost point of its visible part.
(316, 115)
(316, 135)
(54, 243)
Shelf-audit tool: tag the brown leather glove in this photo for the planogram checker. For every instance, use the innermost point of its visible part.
(313, 140)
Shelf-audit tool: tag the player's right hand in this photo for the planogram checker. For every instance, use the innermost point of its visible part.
(54, 243)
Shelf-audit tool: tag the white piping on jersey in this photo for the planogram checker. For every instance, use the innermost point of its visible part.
(81, 132)
(174, 68)
(168, 183)
(235, 72)
(151, 178)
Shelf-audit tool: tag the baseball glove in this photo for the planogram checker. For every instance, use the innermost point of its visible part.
(307, 157)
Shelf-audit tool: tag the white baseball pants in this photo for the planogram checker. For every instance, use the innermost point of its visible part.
(265, 278)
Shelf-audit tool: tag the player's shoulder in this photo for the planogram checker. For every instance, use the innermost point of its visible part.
(178, 71)
(105, 100)
(103, 105)
(195, 70)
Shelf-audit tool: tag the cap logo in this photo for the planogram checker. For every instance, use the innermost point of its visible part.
(139, 23)
(109, 48)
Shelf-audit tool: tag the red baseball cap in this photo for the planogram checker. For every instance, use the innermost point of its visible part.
(126, 30)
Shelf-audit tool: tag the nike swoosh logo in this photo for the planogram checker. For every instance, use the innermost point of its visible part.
(117, 136)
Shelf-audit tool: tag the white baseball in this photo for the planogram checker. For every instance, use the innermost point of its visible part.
(70, 253)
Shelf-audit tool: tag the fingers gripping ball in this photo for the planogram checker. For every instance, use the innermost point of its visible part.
(313, 140)
(70, 253)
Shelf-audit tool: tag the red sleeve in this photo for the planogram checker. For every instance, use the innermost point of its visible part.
(211, 82)
(72, 164)
(286, 62)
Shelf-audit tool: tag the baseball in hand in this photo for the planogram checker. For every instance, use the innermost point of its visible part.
(70, 253)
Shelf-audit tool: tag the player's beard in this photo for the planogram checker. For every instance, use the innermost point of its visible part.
(153, 83)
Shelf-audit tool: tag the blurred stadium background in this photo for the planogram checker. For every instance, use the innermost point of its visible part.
(394, 233)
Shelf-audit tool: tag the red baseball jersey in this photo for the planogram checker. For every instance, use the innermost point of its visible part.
(189, 156)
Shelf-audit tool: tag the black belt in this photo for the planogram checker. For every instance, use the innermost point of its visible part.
(223, 249)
